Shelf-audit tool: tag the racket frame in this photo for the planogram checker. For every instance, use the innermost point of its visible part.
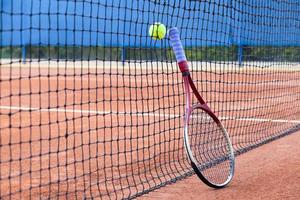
(188, 85)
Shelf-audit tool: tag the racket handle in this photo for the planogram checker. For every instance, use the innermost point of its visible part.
(178, 49)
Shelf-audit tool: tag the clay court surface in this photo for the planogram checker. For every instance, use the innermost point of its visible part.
(81, 130)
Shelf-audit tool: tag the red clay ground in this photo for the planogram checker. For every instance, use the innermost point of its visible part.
(66, 133)
(271, 171)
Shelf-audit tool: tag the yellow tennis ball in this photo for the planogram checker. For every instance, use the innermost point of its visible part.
(157, 31)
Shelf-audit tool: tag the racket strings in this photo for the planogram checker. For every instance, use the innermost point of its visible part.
(217, 140)
(210, 147)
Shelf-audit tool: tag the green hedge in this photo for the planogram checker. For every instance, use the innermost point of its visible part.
(216, 53)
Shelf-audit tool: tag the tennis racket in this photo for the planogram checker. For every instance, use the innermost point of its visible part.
(205, 139)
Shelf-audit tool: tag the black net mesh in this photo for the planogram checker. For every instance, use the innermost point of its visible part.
(91, 106)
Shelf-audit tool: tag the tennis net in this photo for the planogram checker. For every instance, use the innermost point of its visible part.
(92, 107)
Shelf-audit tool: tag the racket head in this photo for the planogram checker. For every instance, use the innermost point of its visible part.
(208, 147)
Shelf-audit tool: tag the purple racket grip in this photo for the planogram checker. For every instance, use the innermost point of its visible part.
(176, 44)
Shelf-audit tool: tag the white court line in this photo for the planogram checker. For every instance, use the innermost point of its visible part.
(99, 78)
(83, 111)
(262, 120)
(153, 114)
(167, 79)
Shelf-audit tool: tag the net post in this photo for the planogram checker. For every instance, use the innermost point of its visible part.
(123, 55)
(240, 55)
(24, 52)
